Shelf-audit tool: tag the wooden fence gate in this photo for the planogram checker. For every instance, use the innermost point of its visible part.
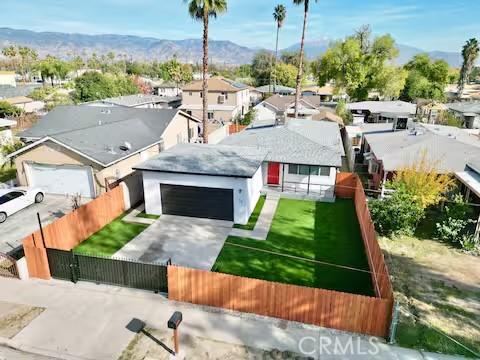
(68, 265)
(8, 266)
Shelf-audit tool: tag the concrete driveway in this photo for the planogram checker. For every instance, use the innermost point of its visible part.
(24, 222)
(190, 242)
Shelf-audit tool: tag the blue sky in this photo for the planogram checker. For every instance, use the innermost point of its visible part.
(428, 24)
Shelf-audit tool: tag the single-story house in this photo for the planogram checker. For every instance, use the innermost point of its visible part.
(207, 181)
(140, 101)
(382, 111)
(467, 112)
(9, 91)
(446, 147)
(26, 104)
(167, 89)
(281, 107)
(431, 112)
(469, 178)
(6, 130)
(83, 149)
(279, 90)
(326, 93)
(8, 78)
(303, 156)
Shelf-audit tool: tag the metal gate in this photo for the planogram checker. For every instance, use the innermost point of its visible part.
(72, 266)
(8, 266)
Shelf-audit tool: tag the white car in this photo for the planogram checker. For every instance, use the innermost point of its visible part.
(16, 199)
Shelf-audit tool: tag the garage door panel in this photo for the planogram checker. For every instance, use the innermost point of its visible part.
(61, 179)
(203, 202)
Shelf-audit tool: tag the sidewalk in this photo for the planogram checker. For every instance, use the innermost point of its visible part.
(87, 321)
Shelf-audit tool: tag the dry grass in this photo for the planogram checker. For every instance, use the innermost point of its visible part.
(14, 317)
(440, 286)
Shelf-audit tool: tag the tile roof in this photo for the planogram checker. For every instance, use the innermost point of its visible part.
(216, 83)
(202, 159)
(299, 142)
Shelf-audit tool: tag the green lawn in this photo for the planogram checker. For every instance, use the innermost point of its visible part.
(110, 238)
(7, 172)
(254, 217)
(309, 230)
(148, 216)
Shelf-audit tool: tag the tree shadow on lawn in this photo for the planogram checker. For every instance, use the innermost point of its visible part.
(428, 293)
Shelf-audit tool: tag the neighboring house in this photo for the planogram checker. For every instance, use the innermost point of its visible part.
(303, 156)
(8, 78)
(26, 104)
(6, 131)
(206, 181)
(140, 101)
(281, 107)
(8, 91)
(266, 90)
(255, 96)
(467, 112)
(446, 147)
(227, 99)
(382, 111)
(168, 89)
(326, 93)
(469, 179)
(431, 112)
(82, 149)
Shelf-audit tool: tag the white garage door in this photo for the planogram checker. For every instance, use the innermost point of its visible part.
(62, 179)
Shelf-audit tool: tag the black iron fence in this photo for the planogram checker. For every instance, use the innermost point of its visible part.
(8, 266)
(68, 265)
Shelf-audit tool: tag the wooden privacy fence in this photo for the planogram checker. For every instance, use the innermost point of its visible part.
(332, 309)
(338, 310)
(71, 229)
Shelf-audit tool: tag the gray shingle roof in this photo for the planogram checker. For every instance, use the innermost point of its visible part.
(278, 88)
(391, 107)
(299, 142)
(99, 132)
(7, 91)
(397, 149)
(466, 107)
(216, 160)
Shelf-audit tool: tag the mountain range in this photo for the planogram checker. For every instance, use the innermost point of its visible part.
(65, 45)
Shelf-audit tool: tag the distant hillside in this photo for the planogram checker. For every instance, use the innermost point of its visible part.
(146, 48)
(137, 48)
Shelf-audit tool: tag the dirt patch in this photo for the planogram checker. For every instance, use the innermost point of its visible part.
(14, 317)
(438, 288)
(154, 344)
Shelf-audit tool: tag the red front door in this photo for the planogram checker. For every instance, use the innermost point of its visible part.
(273, 177)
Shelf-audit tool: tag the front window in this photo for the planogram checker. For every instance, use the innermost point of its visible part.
(297, 169)
(210, 116)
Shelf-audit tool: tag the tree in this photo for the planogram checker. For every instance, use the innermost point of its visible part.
(343, 111)
(358, 66)
(93, 86)
(47, 69)
(426, 78)
(421, 180)
(306, 4)
(279, 15)
(286, 74)
(203, 10)
(262, 67)
(470, 53)
(11, 53)
(27, 58)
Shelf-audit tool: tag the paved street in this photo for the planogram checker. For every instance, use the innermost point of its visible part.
(88, 321)
(24, 222)
(187, 241)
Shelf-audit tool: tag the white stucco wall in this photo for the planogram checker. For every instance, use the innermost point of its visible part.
(218, 135)
(245, 191)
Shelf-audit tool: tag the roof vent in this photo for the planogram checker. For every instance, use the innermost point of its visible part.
(126, 146)
(109, 149)
(106, 111)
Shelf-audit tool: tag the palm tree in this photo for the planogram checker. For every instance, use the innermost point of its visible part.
(279, 15)
(470, 53)
(203, 10)
(306, 4)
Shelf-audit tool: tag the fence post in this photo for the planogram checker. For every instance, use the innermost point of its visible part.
(73, 266)
(393, 325)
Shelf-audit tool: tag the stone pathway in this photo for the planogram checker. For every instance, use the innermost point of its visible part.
(264, 221)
